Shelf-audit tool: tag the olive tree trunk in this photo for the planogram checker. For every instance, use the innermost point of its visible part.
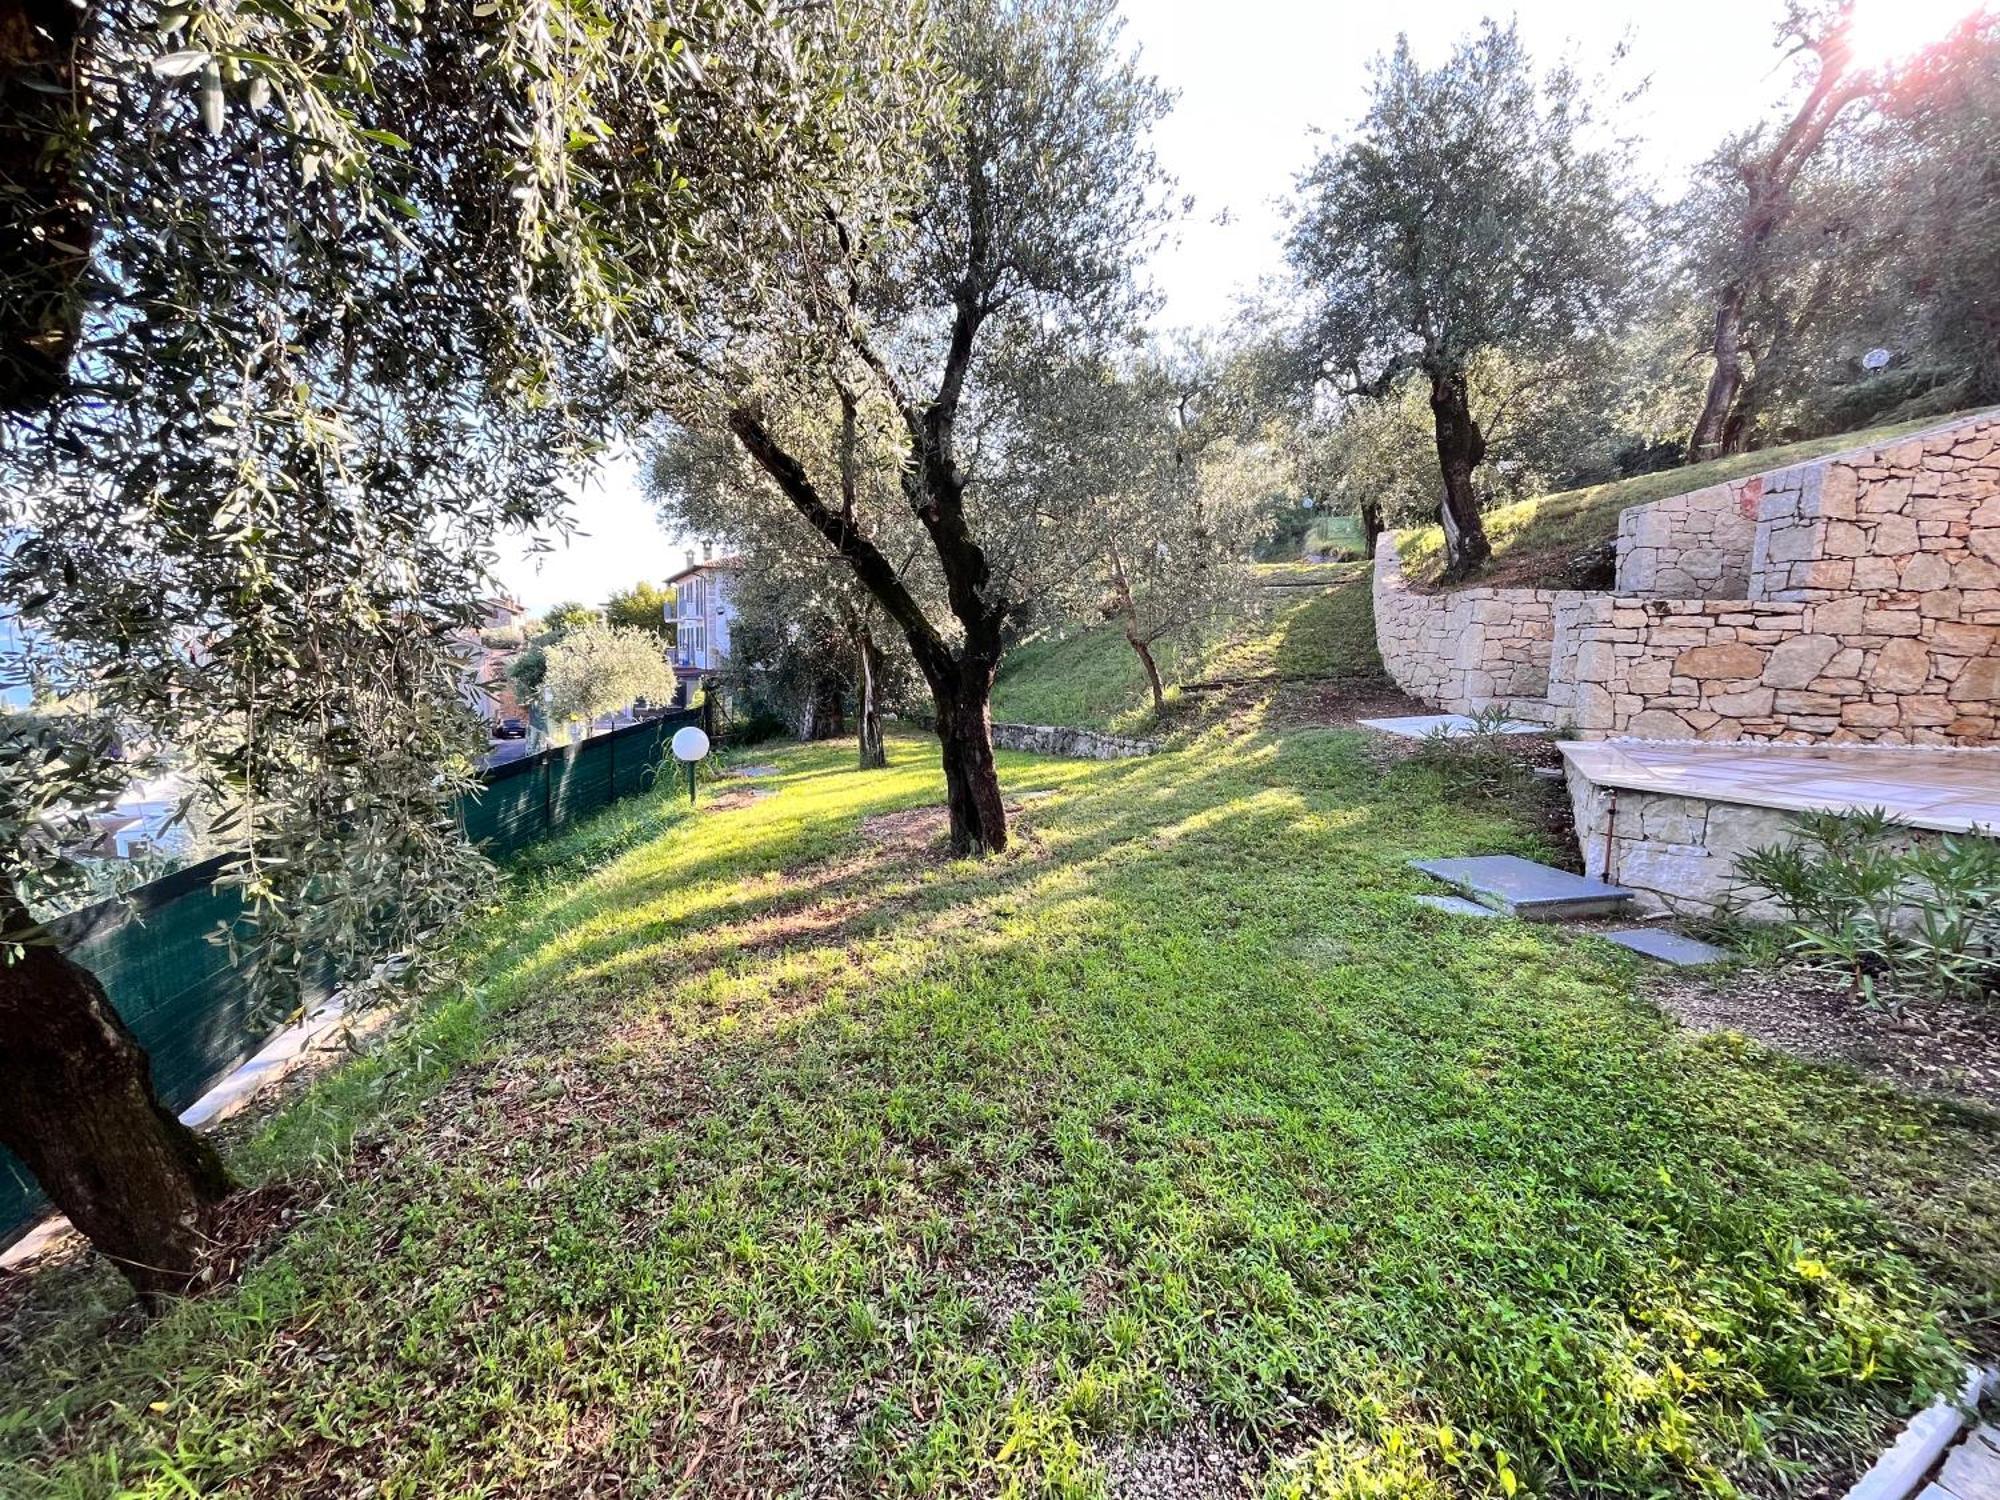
(77, 1107)
(1461, 448)
(1126, 609)
(874, 753)
(972, 782)
(1725, 380)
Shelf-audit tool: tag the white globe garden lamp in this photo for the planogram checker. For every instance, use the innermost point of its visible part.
(689, 745)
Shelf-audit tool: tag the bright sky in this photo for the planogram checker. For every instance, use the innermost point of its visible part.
(1256, 77)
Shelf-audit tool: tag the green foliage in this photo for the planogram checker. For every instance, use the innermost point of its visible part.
(1893, 913)
(644, 606)
(601, 669)
(1300, 625)
(1481, 763)
(570, 615)
(1180, 1119)
(330, 299)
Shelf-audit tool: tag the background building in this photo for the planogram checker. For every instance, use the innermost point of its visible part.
(700, 614)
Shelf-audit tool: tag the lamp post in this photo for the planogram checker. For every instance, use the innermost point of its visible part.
(690, 745)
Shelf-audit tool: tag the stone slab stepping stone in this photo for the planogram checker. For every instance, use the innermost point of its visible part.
(1458, 906)
(1668, 947)
(1451, 726)
(754, 771)
(1521, 888)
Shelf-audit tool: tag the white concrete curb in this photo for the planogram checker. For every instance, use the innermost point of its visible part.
(1898, 1472)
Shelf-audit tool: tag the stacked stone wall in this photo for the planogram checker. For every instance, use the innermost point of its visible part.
(1845, 669)
(1081, 744)
(1469, 649)
(1692, 546)
(1919, 517)
(1868, 610)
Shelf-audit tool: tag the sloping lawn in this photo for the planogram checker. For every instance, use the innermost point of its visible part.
(1535, 540)
(1311, 623)
(775, 1153)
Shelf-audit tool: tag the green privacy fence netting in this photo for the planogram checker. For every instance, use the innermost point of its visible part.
(189, 1006)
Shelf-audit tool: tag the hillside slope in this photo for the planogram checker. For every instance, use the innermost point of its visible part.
(1309, 624)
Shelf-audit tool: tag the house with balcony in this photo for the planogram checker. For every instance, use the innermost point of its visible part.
(700, 614)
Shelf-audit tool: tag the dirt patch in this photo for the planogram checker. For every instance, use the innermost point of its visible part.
(1337, 704)
(1190, 1464)
(922, 830)
(735, 801)
(1943, 1047)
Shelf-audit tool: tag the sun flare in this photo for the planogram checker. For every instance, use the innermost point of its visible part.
(1886, 31)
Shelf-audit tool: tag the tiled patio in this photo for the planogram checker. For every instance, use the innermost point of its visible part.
(1952, 791)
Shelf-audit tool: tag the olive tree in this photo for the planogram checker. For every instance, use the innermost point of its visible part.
(1164, 470)
(1015, 241)
(298, 312)
(1475, 207)
(806, 628)
(603, 669)
(1865, 221)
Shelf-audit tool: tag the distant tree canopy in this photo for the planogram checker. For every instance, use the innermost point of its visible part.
(1865, 221)
(1831, 271)
(1469, 214)
(602, 669)
(644, 606)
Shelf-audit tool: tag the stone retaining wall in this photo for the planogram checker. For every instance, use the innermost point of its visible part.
(1081, 744)
(1469, 649)
(1677, 854)
(1692, 546)
(1866, 608)
(1919, 517)
(1844, 669)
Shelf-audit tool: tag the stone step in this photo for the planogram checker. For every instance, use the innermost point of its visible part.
(1666, 945)
(1458, 906)
(1521, 888)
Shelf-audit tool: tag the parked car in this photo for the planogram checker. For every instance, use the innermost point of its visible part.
(511, 729)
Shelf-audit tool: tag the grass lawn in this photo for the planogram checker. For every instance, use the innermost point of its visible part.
(1534, 539)
(764, 1150)
(1313, 623)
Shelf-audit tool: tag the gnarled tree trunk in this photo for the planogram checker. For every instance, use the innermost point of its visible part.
(972, 783)
(77, 1106)
(1461, 448)
(1725, 381)
(1125, 609)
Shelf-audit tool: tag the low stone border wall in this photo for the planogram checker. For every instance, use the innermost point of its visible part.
(1468, 649)
(1678, 854)
(1080, 744)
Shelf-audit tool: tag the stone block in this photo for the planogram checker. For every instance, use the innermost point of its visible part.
(1903, 666)
(1659, 724)
(1978, 682)
(1893, 536)
(1749, 703)
(1892, 622)
(1796, 662)
(1869, 715)
(1926, 571)
(1731, 662)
